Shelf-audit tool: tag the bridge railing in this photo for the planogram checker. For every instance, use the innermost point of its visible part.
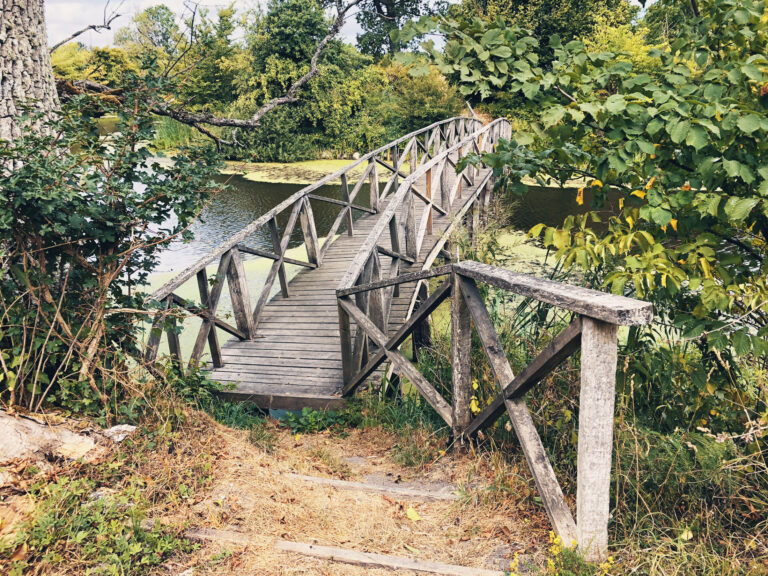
(398, 159)
(596, 317)
(396, 240)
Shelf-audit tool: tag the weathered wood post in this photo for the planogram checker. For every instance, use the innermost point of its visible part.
(395, 165)
(374, 184)
(596, 404)
(307, 221)
(238, 291)
(174, 345)
(429, 206)
(348, 209)
(421, 336)
(410, 228)
(345, 336)
(461, 342)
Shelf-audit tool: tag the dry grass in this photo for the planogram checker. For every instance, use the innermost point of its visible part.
(250, 494)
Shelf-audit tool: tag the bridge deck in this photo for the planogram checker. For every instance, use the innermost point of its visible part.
(296, 360)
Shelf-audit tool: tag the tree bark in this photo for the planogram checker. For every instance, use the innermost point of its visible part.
(26, 76)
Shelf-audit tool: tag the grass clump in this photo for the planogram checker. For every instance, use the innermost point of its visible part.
(75, 525)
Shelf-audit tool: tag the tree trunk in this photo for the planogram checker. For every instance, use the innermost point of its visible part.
(26, 76)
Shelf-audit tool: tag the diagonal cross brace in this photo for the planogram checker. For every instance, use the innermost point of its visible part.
(538, 462)
(401, 364)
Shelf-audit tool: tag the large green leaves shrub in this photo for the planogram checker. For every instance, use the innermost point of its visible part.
(674, 159)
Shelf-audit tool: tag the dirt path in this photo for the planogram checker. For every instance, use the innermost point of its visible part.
(260, 497)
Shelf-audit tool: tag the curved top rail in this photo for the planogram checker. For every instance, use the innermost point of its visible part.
(382, 223)
(240, 236)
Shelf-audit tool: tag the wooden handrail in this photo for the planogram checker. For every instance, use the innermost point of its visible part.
(399, 197)
(593, 330)
(241, 236)
(609, 308)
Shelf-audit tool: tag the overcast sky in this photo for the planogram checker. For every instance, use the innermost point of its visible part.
(64, 17)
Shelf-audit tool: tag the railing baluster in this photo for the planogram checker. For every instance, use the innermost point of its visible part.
(174, 347)
(410, 228)
(429, 197)
(207, 328)
(394, 242)
(345, 196)
(274, 234)
(374, 185)
(238, 291)
(307, 219)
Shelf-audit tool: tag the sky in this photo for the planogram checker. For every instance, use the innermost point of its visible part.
(64, 17)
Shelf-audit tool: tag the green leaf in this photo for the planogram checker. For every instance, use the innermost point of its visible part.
(654, 126)
(737, 209)
(502, 52)
(749, 123)
(530, 89)
(615, 103)
(697, 137)
(553, 115)
(679, 131)
(752, 72)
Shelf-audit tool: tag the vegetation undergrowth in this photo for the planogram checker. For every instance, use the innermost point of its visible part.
(108, 515)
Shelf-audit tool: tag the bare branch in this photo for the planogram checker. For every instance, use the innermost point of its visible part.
(105, 25)
(196, 118)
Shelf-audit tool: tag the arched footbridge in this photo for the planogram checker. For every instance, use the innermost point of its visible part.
(312, 338)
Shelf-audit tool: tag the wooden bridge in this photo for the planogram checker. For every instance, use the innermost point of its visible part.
(364, 291)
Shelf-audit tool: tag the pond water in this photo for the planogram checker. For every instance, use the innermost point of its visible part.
(242, 202)
(245, 200)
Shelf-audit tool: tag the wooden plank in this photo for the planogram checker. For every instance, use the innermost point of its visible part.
(596, 407)
(356, 558)
(400, 362)
(553, 354)
(402, 279)
(378, 487)
(591, 303)
(238, 291)
(285, 400)
(271, 256)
